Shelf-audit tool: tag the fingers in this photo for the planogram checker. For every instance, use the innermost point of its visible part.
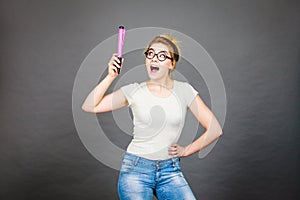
(115, 61)
(114, 65)
(118, 64)
(174, 151)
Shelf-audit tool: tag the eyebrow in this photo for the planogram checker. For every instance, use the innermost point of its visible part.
(159, 51)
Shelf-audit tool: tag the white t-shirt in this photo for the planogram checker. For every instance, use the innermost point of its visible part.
(157, 121)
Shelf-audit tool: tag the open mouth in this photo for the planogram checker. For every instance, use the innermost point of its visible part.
(154, 68)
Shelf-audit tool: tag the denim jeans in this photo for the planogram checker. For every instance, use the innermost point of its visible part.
(141, 178)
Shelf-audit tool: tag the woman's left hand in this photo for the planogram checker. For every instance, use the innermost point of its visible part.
(175, 150)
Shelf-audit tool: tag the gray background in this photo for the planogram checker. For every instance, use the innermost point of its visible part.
(255, 44)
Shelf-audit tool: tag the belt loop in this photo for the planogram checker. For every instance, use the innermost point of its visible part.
(136, 160)
(173, 162)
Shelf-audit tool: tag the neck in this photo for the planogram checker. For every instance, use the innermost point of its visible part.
(165, 82)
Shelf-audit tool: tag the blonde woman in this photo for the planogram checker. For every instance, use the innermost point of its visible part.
(151, 163)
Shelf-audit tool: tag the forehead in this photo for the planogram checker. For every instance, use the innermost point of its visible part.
(159, 47)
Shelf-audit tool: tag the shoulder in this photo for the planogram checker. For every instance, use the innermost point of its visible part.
(131, 85)
(134, 85)
(183, 85)
(186, 91)
(131, 88)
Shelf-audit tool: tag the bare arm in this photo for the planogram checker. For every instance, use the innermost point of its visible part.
(209, 122)
(96, 102)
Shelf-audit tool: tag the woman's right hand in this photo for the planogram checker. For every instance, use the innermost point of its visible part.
(113, 64)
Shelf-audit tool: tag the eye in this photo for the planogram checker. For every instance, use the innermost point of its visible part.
(150, 52)
(162, 55)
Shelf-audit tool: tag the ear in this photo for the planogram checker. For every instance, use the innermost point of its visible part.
(172, 66)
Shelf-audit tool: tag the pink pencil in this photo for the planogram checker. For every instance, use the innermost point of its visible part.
(121, 38)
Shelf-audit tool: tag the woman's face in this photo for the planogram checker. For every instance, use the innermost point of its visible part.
(157, 68)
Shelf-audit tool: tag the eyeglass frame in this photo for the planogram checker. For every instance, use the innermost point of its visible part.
(156, 54)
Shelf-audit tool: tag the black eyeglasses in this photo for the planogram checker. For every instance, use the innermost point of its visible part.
(161, 56)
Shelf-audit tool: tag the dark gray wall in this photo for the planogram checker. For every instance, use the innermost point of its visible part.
(254, 43)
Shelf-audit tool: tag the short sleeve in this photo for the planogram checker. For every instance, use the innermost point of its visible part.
(128, 91)
(190, 93)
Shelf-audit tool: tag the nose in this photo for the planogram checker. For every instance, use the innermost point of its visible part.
(155, 58)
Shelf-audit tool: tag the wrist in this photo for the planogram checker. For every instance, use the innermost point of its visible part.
(186, 150)
(110, 77)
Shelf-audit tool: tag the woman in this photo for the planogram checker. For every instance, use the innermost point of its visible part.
(151, 163)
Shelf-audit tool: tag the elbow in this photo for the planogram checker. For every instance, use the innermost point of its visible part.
(221, 133)
(217, 133)
(86, 109)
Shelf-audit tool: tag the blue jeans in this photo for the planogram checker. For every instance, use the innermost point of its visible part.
(141, 178)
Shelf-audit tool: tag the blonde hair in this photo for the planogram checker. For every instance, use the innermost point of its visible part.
(170, 42)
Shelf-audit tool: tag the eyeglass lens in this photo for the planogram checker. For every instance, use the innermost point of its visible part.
(161, 56)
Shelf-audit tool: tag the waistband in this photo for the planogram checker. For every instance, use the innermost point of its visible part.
(145, 161)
